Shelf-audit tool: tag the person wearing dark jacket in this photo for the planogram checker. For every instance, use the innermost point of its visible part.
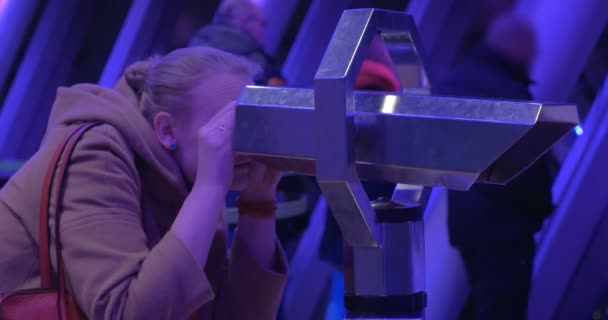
(239, 28)
(493, 226)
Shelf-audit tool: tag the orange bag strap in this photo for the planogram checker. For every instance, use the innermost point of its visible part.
(59, 161)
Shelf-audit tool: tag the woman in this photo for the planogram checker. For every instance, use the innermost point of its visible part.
(141, 223)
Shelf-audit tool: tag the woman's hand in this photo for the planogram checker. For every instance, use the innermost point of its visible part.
(215, 150)
(213, 176)
(262, 184)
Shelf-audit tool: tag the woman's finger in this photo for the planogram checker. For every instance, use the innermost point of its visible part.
(224, 120)
(219, 133)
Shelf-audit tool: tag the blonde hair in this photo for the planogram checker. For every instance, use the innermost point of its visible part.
(167, 83)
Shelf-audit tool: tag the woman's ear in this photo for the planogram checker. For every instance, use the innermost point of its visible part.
(164, 127)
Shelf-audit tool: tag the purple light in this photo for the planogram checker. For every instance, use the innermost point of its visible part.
(3, 5)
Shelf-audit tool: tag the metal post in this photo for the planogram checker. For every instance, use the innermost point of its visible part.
(392, 274)
(56, 38)
(560, 63)
(133, 40)
(15, 19)
(564, 287)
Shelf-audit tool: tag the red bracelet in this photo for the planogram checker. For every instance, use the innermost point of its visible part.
(262, 209)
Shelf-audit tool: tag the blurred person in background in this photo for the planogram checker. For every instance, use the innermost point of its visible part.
(239, 27)
(493, 226)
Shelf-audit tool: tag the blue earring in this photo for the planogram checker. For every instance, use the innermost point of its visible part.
(173, 146)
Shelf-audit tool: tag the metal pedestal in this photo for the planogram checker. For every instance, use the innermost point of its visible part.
(342, 136)
(388, 281)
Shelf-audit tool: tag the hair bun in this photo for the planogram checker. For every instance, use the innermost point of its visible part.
(136, 75)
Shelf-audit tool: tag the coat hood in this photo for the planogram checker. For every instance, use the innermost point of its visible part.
(119, 108)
